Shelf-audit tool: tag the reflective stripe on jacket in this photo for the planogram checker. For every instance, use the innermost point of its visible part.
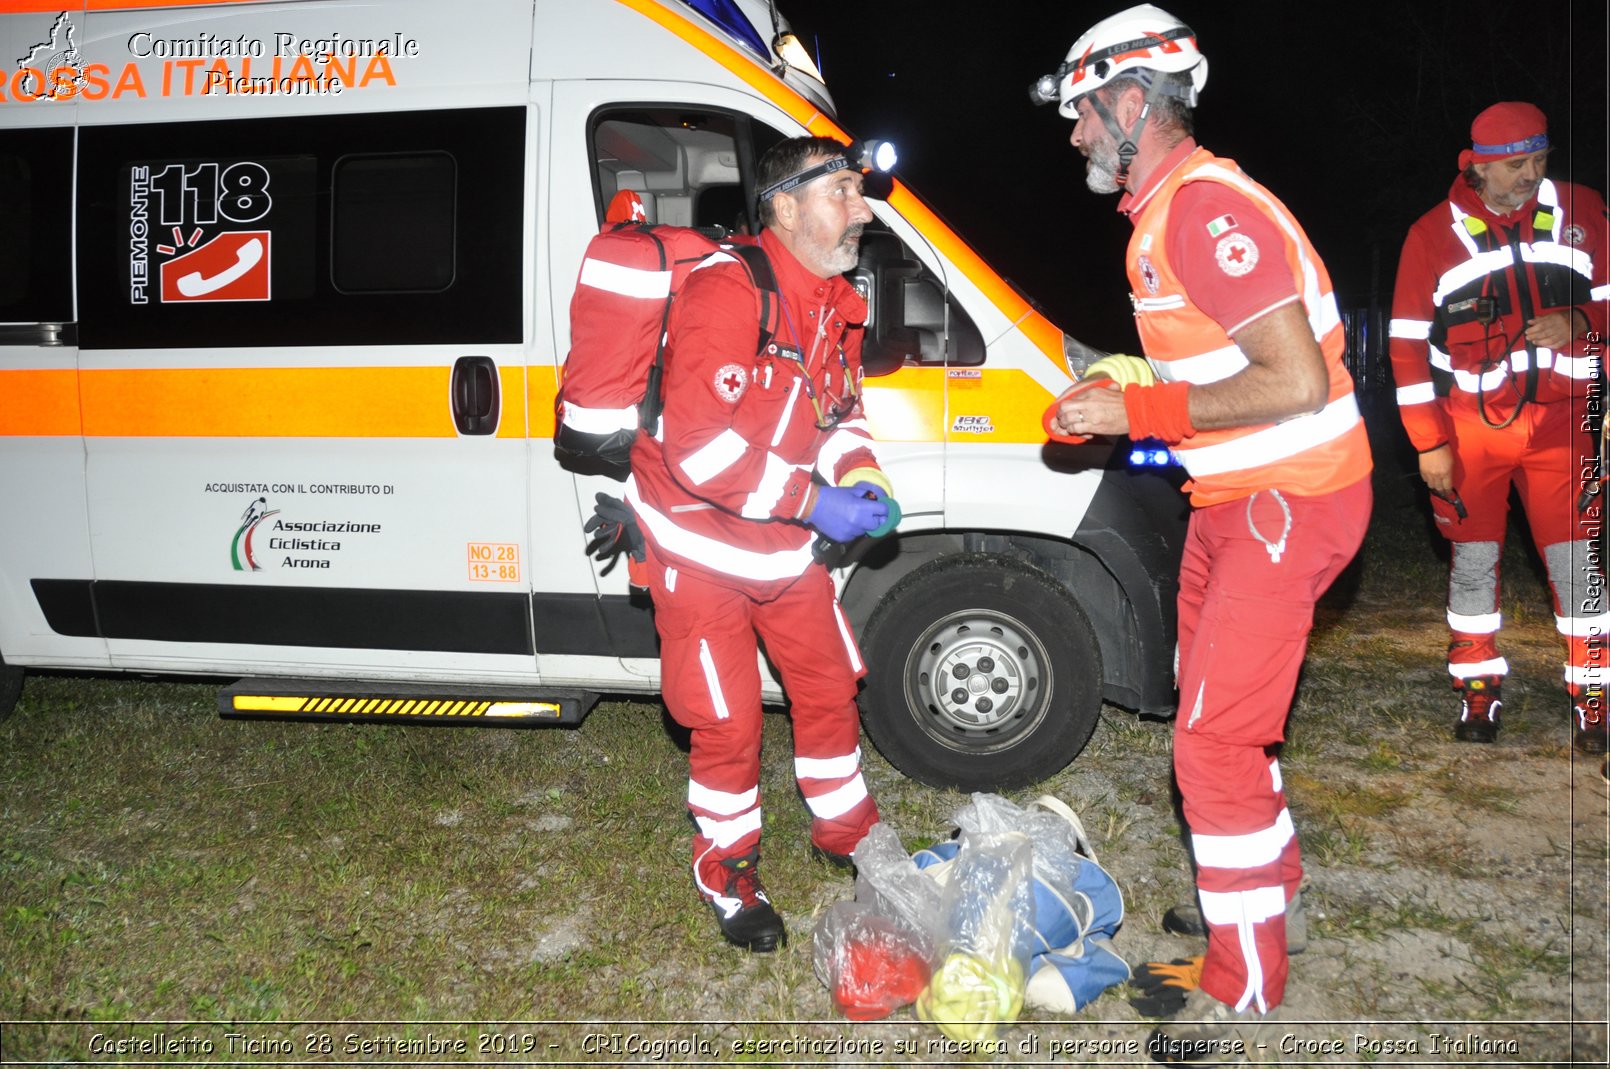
(1460, 266)
(1314, 453)
(723, 487)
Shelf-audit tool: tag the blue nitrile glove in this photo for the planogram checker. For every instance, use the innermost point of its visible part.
(873, 490)
(845, 513)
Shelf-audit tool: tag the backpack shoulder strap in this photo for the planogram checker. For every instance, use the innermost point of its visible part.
(755, 259)
(649, 408)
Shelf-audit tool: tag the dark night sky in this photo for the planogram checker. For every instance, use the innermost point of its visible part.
(1353, 114)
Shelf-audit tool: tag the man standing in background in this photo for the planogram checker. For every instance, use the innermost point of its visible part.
(1497, 325)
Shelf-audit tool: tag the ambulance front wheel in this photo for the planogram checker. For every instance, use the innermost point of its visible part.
(983, 673)
(10, 688)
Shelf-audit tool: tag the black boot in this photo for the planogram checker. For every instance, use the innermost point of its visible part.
(1479, 702)
(744, 912)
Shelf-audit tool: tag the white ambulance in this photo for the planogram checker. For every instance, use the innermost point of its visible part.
(283, 301)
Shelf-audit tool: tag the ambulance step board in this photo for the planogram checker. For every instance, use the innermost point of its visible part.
(402, 703)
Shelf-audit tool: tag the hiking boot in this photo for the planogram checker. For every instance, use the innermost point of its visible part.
(842, 862)
(1479, 702)
(1187, 920)
(1209, 1032)
(1592, 734)
(744, 912)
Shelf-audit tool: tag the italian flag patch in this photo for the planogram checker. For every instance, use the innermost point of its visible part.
(1220, 225)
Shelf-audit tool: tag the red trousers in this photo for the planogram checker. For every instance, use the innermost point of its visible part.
(1244, 624)
(710, 679)
(1545, 454)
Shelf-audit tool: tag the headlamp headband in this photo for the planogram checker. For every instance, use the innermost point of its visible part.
(794, 181)
(1524, 147)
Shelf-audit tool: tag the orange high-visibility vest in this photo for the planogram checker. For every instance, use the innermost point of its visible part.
(1315, 453)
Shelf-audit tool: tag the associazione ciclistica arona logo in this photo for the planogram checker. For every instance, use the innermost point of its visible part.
(241, 552)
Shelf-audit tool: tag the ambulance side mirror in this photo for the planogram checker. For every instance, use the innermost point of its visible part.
(910, 319)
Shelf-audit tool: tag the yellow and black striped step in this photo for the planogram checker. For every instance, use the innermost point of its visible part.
(399, 703)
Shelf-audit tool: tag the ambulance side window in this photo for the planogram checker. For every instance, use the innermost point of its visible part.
(389, 228)
(910, 318)
(36, 226)
(689, 166)
(695, 167)
(371, 251)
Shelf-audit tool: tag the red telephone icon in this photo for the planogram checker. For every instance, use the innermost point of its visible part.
(233, 266)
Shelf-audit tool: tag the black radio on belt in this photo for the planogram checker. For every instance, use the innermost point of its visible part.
(1482, 309)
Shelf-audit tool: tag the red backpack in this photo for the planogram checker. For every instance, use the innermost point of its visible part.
(610, 385)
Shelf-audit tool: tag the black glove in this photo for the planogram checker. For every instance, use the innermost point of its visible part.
(613, 530)
(1161, 986)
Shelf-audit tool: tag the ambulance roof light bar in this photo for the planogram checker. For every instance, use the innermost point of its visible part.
(727, 15)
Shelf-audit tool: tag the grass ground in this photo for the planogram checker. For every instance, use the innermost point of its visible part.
(401, 890)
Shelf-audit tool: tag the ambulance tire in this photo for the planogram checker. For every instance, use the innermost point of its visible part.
(983, 674)
(10, 688)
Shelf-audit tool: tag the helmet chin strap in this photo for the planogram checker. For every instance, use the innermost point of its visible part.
(1128, 143)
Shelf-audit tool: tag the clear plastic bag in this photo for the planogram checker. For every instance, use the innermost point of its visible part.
(1077, 905)
(890, 882)
(1061, 914)
(875, 954)
(988, 905)
(1017, 895)
(871, 963)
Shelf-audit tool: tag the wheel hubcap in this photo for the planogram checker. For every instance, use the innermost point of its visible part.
(980, 677)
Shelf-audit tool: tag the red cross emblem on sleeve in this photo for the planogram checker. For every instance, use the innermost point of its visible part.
(1236, 254)
(730, 382)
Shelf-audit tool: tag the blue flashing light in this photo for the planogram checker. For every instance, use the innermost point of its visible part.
(1151, 454)
(726, 14)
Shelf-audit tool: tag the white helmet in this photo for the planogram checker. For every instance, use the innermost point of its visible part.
(1143, 38)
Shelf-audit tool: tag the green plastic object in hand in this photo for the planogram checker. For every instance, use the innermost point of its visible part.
(889, 524)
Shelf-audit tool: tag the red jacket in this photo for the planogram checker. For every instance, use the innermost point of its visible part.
(1460, 258)
(722, 489)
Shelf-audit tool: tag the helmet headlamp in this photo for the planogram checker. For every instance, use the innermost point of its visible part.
(1044, 90)
(1139, 43)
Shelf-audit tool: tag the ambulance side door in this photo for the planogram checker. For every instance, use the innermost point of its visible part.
(918, 341)
(303, 393)
(44, 526)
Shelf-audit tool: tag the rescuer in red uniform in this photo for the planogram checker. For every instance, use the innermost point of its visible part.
(755, 455)
(1497, 329)
(1245, 380)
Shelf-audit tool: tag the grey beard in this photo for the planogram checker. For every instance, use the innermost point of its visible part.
(1101, 172)
(844, 257)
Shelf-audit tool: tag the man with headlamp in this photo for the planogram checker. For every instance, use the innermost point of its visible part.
(1498, 324)
(1245, 380)
(758, 454)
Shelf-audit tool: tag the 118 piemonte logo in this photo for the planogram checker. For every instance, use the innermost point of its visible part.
(199, 210)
